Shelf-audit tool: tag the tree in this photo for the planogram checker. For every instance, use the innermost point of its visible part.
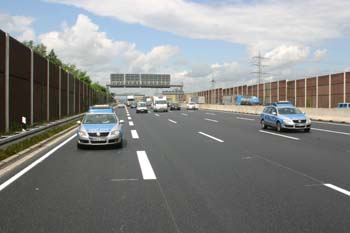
(40, 49)
(53, 58)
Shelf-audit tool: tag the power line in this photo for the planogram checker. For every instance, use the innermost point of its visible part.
(258, 61)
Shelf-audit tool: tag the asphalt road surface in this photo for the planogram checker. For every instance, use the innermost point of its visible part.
(186, 171)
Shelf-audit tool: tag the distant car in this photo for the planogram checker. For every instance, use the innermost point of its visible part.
(141, 107)
(175, 106)
(343, 105)
(100, 108)
(160, 104)
(284, 116)
(121, 105)
(133, 105)
(192, 106)
(100, 129)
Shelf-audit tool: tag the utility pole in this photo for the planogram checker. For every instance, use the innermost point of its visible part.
(258, 61)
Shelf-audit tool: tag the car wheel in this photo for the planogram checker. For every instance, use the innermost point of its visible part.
(263, 126)
(278, 127)
(307, 130)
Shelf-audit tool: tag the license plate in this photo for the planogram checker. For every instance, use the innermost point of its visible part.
(299, 125)
(98, 139)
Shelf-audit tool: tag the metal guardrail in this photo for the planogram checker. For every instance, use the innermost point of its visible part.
(7, 140)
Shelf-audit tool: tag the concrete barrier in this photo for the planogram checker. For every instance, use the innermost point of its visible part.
(322, 114)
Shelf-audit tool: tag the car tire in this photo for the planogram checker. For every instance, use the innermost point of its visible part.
(278, 127)
(263, 126)
(307, 130)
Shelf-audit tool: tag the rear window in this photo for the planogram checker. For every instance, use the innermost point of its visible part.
(161, 102)
(141, 104)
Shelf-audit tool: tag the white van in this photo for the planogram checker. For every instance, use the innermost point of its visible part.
(160, 104)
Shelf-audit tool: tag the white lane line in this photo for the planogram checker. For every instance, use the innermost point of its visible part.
(134, 134)
(131, 123)
(156, 114)
(122, 180)
(172, 121)
(209, 136)
(146, 167)
(336, 188)
(207, 119)
(246, 119)
(210, 113)
(36, 162)
(280, 135)
(331, 123)
(330, 131)
(129, 118)
(184, 114)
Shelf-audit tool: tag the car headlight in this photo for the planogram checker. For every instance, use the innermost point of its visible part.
(288, 121)
(82, 133)
(308, 121)
(115, 132)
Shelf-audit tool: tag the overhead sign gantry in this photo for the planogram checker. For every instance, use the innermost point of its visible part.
(140, 80)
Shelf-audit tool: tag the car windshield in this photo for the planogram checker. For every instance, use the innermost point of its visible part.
(160, 102)
(287, 111)
(142, 104)
(99, 119)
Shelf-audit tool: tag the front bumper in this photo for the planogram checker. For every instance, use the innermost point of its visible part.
(99, 141)
(296, 126)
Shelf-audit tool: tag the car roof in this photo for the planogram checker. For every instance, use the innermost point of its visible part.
(105, 110)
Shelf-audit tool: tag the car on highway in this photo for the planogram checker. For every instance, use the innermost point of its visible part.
(121, 105)
(133, 105)
(282, 115)
(175, 106)
(343, 105)
(100, 108)
(192, 106)
(141, 107)
(100, 129)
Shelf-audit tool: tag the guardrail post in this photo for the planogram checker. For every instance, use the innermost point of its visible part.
(74, 95)
(329, 91)
(317, 92)
(68, 94)
(7, 83)
(59, 93)
(305, 91)
(295, 92)
(48, 92)
(344, 88)
(31, 87)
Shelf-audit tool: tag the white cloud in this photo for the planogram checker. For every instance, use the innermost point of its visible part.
(85, 45)
(261, 25)
(319, 54)
(283, 55)
(18, 26)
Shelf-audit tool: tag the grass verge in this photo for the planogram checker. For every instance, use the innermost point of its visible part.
(22, 145)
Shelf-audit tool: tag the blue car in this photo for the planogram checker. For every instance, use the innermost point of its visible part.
(100, 129)
(283, 115)
(100, 108)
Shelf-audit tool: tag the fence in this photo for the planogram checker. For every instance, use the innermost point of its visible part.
(37, 89)
(315, 92)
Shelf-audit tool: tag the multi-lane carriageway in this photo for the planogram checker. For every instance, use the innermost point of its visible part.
(188, 172)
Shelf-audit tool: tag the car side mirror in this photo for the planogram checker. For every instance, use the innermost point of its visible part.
(78, 122)
(274, 113)
(121, 122)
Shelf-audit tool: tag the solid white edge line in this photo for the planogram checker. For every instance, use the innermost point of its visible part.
(243, 118)
(145, 165)
(207, 119)
(346, 192)
(281, 135)
(330, 131)
(331, 123)
(209, 136)
(172, 121)
(134, 134)
(36, 162)
(131, 123)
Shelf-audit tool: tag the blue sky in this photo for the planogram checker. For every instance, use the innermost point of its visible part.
(192, 40)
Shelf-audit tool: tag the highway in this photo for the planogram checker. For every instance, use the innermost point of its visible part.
(186, 171)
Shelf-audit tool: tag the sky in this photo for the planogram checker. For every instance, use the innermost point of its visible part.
(193, 40)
